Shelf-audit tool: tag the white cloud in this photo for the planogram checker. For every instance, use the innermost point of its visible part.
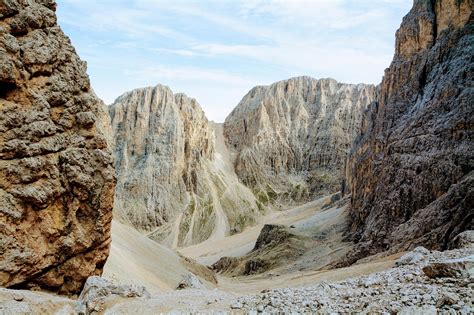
(215, 51)
(184, 73)
(106, 16)
(333, 14)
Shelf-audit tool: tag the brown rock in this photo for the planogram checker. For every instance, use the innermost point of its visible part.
(272, 234)
(275, 247)
(455, 268)
(411, 169)
(56, 175)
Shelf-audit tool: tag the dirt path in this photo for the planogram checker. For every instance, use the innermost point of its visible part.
(175, 231)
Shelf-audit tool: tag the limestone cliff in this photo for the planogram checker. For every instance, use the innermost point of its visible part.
(291, 138)
(174, 181)
(56, 175)
(411, 170)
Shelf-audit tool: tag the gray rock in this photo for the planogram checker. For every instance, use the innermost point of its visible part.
(409, 258)
(190, 281)
(463, 240)
(447, 298)
(98, 290)
(236, 305)
(418, 310)
(86, 119)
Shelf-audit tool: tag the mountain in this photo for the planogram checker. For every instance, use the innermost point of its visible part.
(56, 176)
(175, 179)
(411, 169)
(291, 138)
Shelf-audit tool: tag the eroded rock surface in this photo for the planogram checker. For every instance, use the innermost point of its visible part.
(175, 181)
(411, 170)
(100, 292)
(56, 174)
(291, 138)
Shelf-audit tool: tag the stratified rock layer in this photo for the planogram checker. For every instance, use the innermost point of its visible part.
(172, 181)
(411, 170)
(56, 175)
(291, 138)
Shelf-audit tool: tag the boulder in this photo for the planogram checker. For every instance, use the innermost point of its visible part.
(454, 268)
(190, 281)
(413, 257)
(463, 240)
(99, 291)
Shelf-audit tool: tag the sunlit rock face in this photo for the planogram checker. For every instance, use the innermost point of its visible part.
(411, 170)
(291, 138)
(56, 174)
(172, 182)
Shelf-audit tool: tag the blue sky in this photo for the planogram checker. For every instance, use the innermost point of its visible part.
(215, 51)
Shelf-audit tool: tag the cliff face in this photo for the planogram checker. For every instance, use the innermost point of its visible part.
(172, 182)
(56, 175)
(411, 170)
(291, 138)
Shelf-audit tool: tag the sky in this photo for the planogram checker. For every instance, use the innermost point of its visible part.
(217, 50)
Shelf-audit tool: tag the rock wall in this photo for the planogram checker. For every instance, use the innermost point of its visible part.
(411, 169)
(56, 174)
(291, 138)
(172, 183)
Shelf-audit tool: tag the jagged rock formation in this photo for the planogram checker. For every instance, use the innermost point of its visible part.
(291, 138)
(175, 180)
(411, 170)
(56, 175)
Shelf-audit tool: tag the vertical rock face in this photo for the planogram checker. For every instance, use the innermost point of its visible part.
(411, 170)
(172, 182)
(56, 175)
(291, 138)
(160, 140)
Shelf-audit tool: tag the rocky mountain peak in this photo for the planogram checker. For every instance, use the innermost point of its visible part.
(291, 137)
(172, 171)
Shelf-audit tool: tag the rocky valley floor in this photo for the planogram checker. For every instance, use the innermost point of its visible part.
(420, 282)
(141, 276)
